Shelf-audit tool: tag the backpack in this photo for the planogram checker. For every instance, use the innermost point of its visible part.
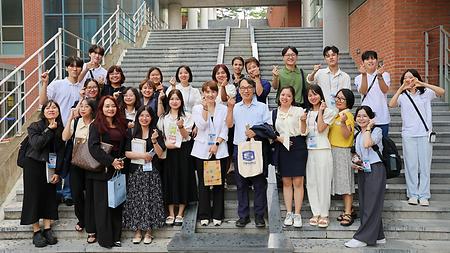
(22, 152)
(389, 156)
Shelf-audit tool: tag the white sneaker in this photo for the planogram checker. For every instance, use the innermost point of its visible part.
(412, 201)
(217, 222)
(381, 241)
(353, 243)
(178, 221)
(424, 202)
(298, 220)
(204, 222)
(289, 220)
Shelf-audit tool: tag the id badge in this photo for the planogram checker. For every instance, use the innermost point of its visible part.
(366, 166)
(312, 141)
(51, 161)
(332, 101)
(211, 139)
(147, 167)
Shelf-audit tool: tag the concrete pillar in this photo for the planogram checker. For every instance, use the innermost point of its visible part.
(335, 24)
(156, 8)
(165, 15)
(212, 13)
(192, 18)
(306, 13)
(204, 18)
(174, 16)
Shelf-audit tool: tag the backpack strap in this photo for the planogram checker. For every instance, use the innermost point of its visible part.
(370, 87)
(417, 110)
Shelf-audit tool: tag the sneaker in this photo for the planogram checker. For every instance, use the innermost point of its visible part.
(117, 244)
(217, 222)
(412, 201)
(178, 221)
(298, 221)
(204, 222)
(242, 222)
(381, 241)
(148, 238)
(259, 221)
(424, 202)
(169, 220)
(39, 240)
(289, 220)
(49, 237)
(353, 243)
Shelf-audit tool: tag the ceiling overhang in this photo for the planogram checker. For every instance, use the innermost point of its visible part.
(223, 3)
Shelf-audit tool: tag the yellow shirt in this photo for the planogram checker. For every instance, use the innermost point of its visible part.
(335, 134)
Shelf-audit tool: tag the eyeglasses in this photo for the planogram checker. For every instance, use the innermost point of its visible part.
(340, 99)
(246, 88)
(92, 88)
(290, 55)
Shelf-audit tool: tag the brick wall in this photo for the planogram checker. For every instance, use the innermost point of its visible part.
(395, 30)
(285, 16)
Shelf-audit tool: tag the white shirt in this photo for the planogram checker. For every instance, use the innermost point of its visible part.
(97, 73)
(330, 84)
(256, 113)
(217, 126)
(171, 132)
(412, 125)
(320, 139)
(376, 99)
(65, 94)
(191, 96)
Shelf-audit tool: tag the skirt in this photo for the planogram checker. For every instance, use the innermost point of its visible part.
(292, 163)
(343, 177)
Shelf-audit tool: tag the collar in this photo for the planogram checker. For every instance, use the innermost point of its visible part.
(253, 103)
(70, 83)
(328, 71)
(296, 70)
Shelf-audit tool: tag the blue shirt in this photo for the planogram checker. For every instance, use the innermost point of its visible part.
(256, 113)
(261, 98)
(369, 153)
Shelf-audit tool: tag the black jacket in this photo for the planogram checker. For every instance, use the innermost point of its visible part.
(43, 140)
(263, 133)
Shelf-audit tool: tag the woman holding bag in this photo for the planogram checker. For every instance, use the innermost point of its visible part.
(210, 144)
(78, 128)
(144, 208)
(102, 222)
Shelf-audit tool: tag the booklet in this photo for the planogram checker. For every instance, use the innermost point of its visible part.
(51, 166)
(138, 145)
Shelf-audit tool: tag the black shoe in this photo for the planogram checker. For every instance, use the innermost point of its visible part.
(117, 244)
(242, 222)
(49, 237)
(39, 240)
(68, 202)
(259, 221)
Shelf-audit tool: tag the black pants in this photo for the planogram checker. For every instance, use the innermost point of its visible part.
(106, 222)
(205, 193)
(78, 186)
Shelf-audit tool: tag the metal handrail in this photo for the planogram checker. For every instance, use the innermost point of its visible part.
(253, 43)
(26, 90)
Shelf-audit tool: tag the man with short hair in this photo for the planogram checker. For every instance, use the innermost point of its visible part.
(93, 69)
(330, 79)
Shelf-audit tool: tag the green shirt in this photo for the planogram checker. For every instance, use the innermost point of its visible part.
(293, 78)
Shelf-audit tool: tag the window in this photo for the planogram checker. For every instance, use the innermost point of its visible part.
(11, 101)
(11, 27)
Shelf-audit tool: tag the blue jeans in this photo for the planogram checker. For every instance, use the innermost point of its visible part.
(384, 129)
(65, 191)
(417, 153)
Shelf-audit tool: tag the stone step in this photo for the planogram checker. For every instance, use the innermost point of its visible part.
(65, 228)
(137, 55)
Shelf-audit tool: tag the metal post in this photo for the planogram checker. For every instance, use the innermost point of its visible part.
(78, 47)
(117, 26)
(446, 63)
(20, 117)
(39, 58)
(441, 56)
(426, 57)
(58, 55)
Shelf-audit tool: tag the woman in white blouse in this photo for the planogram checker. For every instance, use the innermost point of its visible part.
(191, 95)
(178, 178)
(210, 144)
(291, 153)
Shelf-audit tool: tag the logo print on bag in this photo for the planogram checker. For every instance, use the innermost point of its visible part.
(248, 156)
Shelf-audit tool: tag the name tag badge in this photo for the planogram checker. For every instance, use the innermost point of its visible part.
(366, 166)
(147, 167)
(332, 101)
(211, 139)
(312, 141)
(51, 161)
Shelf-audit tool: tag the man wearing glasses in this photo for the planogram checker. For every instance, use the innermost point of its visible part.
(290, 75)
(330, 79)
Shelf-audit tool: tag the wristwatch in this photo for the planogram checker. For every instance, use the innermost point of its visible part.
(217, 143)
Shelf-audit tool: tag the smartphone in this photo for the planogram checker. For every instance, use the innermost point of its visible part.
(152, 152)
(380, 63)
(122, 158)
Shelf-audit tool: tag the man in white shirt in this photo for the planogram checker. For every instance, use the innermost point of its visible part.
(330, 79)
(373, 84)
(93, 69)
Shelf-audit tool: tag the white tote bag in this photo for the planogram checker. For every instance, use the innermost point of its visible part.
(250, 159)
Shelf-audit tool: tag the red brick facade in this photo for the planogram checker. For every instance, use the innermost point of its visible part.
(395, 29)
(285, 16)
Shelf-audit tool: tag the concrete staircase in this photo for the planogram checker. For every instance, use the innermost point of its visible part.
(239, 46)
(169, 49)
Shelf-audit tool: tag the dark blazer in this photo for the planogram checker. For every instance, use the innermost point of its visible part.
(264, 133)
(43, 140)
(95, 138)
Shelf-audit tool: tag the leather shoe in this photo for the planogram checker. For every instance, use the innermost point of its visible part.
(49, 237)
(39, 240)
(242, 222)
(117, 244)
(68, 202)
(259, 221)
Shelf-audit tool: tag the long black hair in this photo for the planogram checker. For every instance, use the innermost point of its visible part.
(137, 131)
(58, 119)
(416, 74)
(180, 96)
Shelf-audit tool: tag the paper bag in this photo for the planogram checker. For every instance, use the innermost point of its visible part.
(117, 191)
(211, 173)
(250, 159)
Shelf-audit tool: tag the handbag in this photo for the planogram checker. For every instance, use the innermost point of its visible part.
(250, 159)
(431, 134)
(117, 191)
(212, 174)
(82, 158)
(22, 152)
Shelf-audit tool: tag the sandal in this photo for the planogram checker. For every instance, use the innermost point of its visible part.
(78, 227)
(347, 220)
(148, 238)
(354, 215)
(314, 221)
(91, 238)
(323, 222)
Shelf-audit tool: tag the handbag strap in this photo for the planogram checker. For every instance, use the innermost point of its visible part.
(370, 87)
(75, 124)
(417, 110)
